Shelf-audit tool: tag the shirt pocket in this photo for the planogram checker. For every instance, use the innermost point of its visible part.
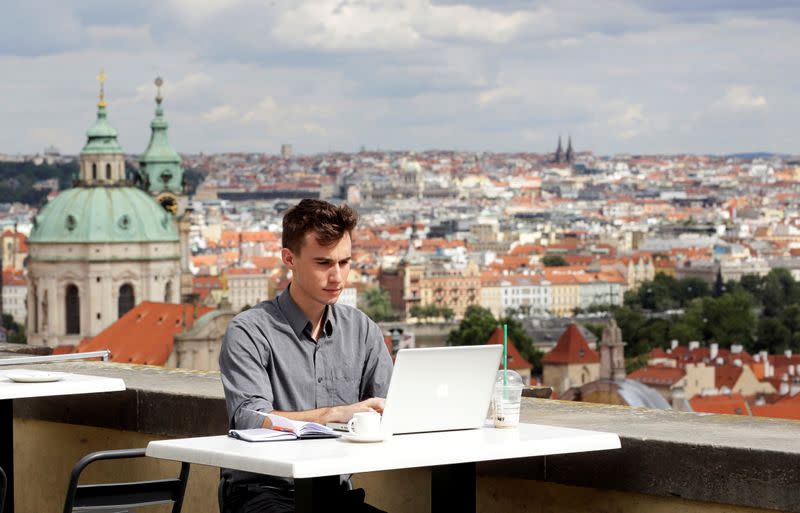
(346, 383)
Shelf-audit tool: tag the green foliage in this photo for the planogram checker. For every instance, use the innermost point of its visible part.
(478, 325)
(14, 330)
(553, 261)
(18, 178)
(475, 328)
(428, 312)
(666, 293)
(635, 362)
(377, 304)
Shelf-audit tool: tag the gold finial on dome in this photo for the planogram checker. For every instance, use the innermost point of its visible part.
(102, 79)
(159, 82)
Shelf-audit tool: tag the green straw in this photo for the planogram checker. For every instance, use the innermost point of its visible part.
(505, 354)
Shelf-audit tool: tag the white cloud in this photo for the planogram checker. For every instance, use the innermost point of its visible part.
(741, 99)
(627, 120)
(219, 113)
(498, 94)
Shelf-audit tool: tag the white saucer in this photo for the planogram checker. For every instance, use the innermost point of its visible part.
(351, 437)
(27, 376)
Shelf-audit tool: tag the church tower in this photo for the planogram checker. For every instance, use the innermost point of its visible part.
(569, 156)
(160, 165)
(162, 176)
(612, 353)
(559, 156)
(98, 249)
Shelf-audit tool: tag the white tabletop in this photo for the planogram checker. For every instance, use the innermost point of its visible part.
(316, 458)
(68, 384)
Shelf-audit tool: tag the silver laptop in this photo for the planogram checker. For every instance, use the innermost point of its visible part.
(441, 388)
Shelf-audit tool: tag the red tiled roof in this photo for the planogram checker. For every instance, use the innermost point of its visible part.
(657, 375)
(733, 404)
(788, 408)
(571, 348)
(726, 375)
(515, 359)
(145, 334)
(14, 278)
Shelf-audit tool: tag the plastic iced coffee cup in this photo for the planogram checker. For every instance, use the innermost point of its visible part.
(506, 398)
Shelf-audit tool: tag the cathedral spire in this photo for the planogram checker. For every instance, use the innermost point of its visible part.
(160, 165)
(559, 156)
(101, 77)
(570, 155)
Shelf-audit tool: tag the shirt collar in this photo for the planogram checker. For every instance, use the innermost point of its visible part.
(298, 320)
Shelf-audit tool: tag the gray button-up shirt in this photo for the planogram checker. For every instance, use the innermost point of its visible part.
(269, 361)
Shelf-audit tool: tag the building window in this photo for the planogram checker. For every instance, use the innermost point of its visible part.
(94, 171)
(108, 171)
(73, 310)
(168, 292)
(126, 299)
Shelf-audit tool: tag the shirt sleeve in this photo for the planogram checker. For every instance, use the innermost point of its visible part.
(377, 366)
(247, 386)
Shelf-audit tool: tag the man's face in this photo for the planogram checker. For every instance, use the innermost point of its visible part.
(319, 273)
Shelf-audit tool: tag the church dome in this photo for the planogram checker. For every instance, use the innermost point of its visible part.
(103, 214)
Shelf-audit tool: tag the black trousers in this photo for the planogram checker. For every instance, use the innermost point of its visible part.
(255, 498)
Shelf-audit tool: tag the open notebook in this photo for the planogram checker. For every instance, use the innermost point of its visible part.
(283, 429)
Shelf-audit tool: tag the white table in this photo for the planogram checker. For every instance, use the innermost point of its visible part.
(316, 464)
(69, 384)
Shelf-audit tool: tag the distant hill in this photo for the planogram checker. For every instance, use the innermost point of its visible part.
(17, 180)
(758, 155)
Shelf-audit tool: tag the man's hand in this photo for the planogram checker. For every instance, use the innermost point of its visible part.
(346, 412)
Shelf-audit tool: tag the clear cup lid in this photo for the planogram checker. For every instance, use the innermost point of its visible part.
(512, 378)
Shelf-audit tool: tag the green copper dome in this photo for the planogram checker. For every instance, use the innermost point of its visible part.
(102, 137)
(160, 165)
(103, 214)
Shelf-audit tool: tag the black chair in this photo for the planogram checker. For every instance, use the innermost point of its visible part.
(3, 484)
(106, 497)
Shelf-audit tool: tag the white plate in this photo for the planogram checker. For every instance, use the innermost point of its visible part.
(21, 376)
(351, 437)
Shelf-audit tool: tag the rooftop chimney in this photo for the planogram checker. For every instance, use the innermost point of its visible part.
(737, 362)
(678, 399)
(714, 348)
(736, 348)
(673, 343)
(788, 353)
(784, 388)
(694, 344)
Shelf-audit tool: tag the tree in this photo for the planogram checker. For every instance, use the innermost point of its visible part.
(773, 336)
(377, 304)
(689, 289)
(629, 322)
(779, 290)
(719, 284)
(14, 331)
(475, 328)
(553, 261)
(516, 333)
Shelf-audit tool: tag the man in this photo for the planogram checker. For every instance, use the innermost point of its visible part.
(301, 355)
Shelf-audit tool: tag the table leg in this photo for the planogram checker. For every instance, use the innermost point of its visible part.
(7, 450)
(453, 488)
(314, 495)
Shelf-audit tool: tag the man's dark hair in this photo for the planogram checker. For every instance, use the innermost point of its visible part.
(328, 222)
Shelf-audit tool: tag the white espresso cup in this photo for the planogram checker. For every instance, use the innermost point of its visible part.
(365, 423)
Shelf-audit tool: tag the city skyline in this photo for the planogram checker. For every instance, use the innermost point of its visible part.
(243, 76)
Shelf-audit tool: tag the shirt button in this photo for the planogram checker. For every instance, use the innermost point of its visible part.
(319, 380)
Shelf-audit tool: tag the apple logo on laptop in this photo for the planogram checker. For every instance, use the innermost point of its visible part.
(442, 391)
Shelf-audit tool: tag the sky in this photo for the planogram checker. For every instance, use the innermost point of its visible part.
(628, 76)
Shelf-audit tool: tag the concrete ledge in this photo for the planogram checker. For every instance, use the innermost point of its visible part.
(733, 460)
(727, 459)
